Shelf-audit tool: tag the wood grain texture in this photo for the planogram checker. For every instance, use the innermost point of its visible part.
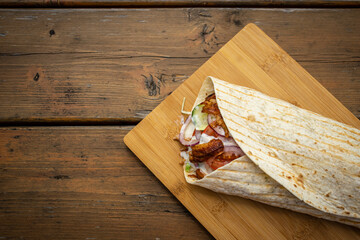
(178, 3)
(116, 65)
(83, 183)
(253, 60)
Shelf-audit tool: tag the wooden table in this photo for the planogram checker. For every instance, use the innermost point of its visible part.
(75, 80)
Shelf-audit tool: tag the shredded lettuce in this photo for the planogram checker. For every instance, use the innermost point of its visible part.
(187, 167)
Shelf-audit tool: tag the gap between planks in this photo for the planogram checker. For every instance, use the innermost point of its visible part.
(68, 122)
(65, 95)
(179, 4)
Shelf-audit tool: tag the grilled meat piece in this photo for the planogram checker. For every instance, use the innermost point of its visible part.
(226, 156)
(199, 174)
(210, 105)
(211, 96)
(202, 152)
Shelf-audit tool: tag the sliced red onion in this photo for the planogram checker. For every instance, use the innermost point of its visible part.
(228, 142)
(198, 134)
(236, 150)
(207, 166)
(218, 129)
(211, 118)
(186, 133)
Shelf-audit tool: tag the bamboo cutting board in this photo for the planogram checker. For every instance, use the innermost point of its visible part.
(253, 60)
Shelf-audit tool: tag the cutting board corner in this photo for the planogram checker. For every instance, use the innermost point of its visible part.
(251, 59)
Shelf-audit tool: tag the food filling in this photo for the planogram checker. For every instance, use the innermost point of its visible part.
(208, 140)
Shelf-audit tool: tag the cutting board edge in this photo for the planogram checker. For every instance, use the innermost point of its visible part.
(175, 91)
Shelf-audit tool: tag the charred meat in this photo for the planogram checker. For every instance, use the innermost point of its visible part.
(199, 174)
(202, 152)
(210, 105)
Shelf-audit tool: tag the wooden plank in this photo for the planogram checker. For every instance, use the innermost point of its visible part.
(83, 183)
(178, 3)
(117, 65)
(250, 59)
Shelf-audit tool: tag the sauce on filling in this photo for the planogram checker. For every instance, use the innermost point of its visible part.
(213, 150)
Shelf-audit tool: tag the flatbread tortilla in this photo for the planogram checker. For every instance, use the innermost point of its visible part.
(295, 159)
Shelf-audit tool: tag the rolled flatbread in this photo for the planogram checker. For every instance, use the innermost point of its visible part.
(295, 159)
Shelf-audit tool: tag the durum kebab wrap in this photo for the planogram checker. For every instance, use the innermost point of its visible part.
(242, 142)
